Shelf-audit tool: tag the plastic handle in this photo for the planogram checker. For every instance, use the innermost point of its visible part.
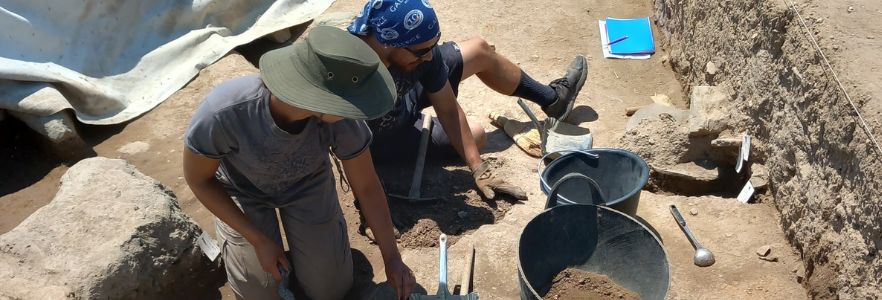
(552, 194)
(542, 165)
(442, 270)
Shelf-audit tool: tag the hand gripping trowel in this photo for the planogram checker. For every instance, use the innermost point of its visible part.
(443, 294)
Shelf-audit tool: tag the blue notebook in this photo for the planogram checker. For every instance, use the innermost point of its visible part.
(638, 31)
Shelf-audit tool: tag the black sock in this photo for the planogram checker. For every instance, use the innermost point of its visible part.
(534, 91)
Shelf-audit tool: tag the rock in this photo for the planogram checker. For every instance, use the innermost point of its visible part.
(759, 176)
(710, 110)
(134, 148)
(662, 99)
(657, 133)
(91, 242)
(764, 250)
(693, 211)
(711, 68)
(631, 110)
(728, 142)
(370, 235)
(799, 271)
(336, 19)
(653, 112)
(59, 129)
(770, 258)
(665, 59)
(701, 171)
(281, 36)
(850, 9)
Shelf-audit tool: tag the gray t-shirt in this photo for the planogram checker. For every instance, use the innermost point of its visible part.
(259, 160)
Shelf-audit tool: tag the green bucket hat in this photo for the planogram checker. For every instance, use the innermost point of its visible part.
(331, 72)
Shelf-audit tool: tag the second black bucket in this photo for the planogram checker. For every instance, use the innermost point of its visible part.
(619, 174)
(592, 238)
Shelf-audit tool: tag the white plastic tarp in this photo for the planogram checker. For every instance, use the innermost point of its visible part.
(113, 60)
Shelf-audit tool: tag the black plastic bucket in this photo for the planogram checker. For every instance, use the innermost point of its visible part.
(619, 174)
(592, 238)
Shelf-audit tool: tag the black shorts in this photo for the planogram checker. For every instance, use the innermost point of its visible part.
(402, 144)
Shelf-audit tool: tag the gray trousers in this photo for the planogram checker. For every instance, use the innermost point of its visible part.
(316, 233)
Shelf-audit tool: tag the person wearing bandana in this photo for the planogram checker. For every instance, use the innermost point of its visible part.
(406, 34)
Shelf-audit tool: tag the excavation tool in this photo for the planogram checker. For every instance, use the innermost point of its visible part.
(558, 136)
(414, 195)
(465, 285)
(443, 294)
(703, 257)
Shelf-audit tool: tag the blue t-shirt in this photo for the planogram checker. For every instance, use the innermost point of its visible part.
(259, 160)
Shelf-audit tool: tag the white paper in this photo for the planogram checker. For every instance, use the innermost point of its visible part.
(604, 45)
(746, 192)
(208, 246)
(743, 152)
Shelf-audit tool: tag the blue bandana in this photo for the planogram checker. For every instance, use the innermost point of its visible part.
(397, 23)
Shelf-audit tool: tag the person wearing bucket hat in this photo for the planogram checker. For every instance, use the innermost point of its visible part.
(257, 156)
(405, 34)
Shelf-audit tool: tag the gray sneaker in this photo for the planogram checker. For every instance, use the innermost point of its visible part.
(567, 89)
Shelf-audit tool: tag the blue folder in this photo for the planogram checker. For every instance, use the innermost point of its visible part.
(638, 31)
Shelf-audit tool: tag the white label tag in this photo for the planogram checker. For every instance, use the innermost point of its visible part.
(746, 192)
(208, 246)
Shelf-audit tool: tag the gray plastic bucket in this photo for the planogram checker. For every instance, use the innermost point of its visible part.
(619, 174)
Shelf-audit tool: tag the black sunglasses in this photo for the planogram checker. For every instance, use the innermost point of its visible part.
(421, 53)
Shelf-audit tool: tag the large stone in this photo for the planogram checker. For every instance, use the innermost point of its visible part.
(109, 233)
(60, 131)
(710, 111)
(656, 111)
(658, 134)
(700, 172)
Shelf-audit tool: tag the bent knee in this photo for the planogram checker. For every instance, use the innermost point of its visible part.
(481, 45)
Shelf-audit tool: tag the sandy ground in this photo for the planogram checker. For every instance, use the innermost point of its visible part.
(542, 40)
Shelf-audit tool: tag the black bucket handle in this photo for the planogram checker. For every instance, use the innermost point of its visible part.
(552, 193)
(542, 164)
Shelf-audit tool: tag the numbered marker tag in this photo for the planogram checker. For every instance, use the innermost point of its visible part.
(208, 246)
(746, 192)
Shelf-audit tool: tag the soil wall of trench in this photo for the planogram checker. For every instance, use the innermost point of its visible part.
(825, 175)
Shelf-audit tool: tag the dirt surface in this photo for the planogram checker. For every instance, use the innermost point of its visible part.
(572, 284)
(825, 173)
(542, 41)
(454, 207)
